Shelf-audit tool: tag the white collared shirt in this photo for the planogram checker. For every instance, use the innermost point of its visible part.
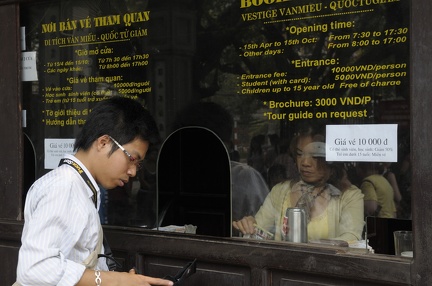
(60, 230)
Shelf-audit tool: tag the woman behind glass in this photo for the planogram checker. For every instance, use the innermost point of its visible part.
(333, 206)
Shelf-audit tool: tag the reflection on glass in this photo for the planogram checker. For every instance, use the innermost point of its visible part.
(272, 67)
(333, 206)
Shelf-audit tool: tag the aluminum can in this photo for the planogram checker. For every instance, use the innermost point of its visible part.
(296, 225)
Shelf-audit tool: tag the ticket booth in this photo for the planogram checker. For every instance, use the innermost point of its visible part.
(361, 67)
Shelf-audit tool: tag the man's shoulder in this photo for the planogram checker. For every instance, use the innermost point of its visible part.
(236, 164)
(62, 175)
(246, 177)
(238, 168)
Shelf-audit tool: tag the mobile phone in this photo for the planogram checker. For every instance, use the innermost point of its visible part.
(184, 273)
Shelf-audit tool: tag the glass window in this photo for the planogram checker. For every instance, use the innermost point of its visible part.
(258, 75)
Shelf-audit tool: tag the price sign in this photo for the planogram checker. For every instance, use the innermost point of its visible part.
(362, 143)
(55, 149)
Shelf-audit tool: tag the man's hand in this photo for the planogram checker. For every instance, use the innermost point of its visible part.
(122, 279)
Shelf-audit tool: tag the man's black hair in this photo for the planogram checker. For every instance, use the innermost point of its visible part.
(122, 118)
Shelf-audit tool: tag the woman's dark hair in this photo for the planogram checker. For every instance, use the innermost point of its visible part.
(317, 133)
(337, 173)
(122, 118)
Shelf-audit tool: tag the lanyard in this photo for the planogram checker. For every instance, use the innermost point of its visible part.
(111, 262)
(80, 171)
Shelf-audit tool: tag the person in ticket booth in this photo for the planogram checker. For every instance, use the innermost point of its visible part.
(377, 190)
(62, 234)
(333, 206)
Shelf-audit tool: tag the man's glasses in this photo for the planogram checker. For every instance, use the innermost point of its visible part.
(131, 158)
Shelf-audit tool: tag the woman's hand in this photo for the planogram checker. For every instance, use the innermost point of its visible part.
(246, 225)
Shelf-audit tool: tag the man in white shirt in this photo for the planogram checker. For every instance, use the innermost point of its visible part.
(62, 227)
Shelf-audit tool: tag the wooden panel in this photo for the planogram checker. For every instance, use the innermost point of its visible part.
(10, 241)
(421, 139)
(9, 269)
(226, 261)
(11, 156)
(249, 260)
(209, 274)
(280, 278)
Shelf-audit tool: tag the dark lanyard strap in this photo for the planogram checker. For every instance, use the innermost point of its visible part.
(111, 262)
(80, 171)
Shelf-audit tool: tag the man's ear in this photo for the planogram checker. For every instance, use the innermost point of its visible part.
(103, 142)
